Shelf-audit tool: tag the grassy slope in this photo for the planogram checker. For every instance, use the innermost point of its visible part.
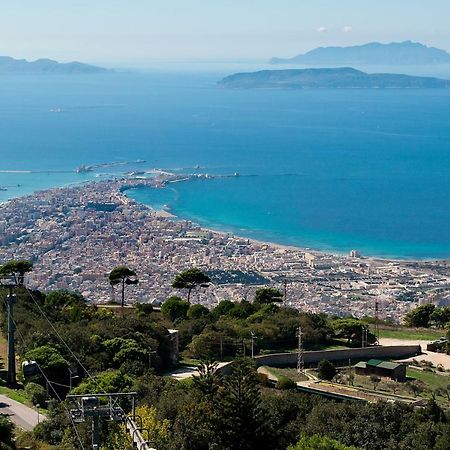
(421, 334)
(432, 380)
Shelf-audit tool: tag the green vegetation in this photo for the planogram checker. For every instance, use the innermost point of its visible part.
(190, 279)
(410, 333)
(286, 372)
(326, 370)
(352, 330)
(431, 379)
(268, 295)
(15, 394)
(319, 443)
(17, 268)
(6, 434)
(175, 308)
(428, 315)
(237, 411)
(124, 276)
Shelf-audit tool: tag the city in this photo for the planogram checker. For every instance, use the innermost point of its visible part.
(76, 235)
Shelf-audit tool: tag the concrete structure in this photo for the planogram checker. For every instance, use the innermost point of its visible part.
(392, 370)
(337, 356)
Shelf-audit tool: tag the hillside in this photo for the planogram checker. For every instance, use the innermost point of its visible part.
(374, 53)
(10, 65)
(339, 78)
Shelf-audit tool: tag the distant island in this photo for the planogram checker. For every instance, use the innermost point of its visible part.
(337, 78)
(10, 65)
(374, 53)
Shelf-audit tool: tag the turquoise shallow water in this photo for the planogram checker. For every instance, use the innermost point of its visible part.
(327, 169)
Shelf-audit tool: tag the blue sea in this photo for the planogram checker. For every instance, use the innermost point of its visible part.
(326, 169)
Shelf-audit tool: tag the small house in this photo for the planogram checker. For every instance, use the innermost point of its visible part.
(394, 371)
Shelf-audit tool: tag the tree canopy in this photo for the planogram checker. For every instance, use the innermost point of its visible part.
(17, 268)
(190, 279)
(268, 295)
(420, 316)
(122, 275)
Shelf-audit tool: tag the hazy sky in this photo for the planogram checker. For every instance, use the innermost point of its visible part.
(140, 31)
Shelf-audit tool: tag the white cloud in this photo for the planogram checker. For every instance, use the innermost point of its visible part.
(347, 29)
(322, 30)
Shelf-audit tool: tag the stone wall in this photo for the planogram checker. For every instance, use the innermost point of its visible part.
(354, 354)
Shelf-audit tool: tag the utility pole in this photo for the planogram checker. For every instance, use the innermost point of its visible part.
(149, 356)
(107, 407)
(300, 355)
(253, 343)
(11, 345)
(377, 328)
(285, 291)
(11, 283)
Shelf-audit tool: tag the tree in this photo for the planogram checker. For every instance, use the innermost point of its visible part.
(317, 442)
(17, 268)
(190, 279)
(36, 393)
(124, 276)
(351, 376)
(420, 316)
(241, 417)
(415, 387)
(143, 309)
(326, 370)
(352, 330)
(121, 350)
(440, 316)
(158, 430)
(197, 311)
(175, 308)
(265, 296)
(375, 380)
(204, 346)
(223, 308)
(208, 380)
(108, 381)
(51, 363)
(6, 434)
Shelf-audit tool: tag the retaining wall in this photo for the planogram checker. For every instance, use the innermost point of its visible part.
(310, 358)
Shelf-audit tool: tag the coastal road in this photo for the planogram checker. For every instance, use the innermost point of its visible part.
(21, 415)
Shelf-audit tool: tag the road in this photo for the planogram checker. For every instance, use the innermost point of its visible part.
(21, 415)
(435, 358)
(188, 371)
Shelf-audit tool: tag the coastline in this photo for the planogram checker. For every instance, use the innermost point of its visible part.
(167, 212)
(162, 178)
(96, 226)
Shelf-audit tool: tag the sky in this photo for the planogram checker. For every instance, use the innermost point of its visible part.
(137, 32)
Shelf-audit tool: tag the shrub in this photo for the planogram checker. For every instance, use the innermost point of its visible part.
(285, 383)
(36, 393)
(327, 371)
(319, 443)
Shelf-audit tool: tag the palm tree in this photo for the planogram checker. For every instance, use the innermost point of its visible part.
(17, 268)
(124, 276)
(190, 279)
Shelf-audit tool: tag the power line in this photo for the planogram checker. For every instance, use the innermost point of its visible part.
(49, 383)
(300, 355)
(60, 338)
(95, 438)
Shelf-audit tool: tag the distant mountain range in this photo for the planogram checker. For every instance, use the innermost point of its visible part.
(11, 65)
(339, 78)
(395, 53)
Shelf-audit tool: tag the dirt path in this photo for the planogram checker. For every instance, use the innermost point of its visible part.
(435, 358)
